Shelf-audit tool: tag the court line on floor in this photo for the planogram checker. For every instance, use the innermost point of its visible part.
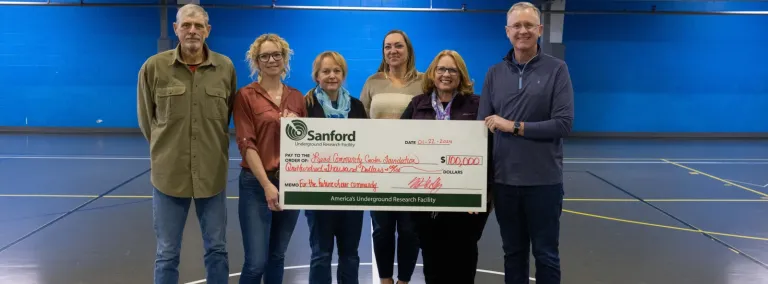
(71, 211)
(566, 199)
(746, 161)
(748, 183)
(361, 264)
(663, 226)
(658, 200)
(705, 233)
(93, 208)
(716, 178)
(11, 195)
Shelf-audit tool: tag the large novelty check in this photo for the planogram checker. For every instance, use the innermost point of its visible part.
(383, 164)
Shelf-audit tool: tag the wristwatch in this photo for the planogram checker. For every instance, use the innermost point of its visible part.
(516, 129)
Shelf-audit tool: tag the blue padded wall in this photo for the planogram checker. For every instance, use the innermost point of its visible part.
(668, 73)
(72, 66)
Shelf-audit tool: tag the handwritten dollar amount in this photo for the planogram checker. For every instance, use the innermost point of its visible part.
(458, 160)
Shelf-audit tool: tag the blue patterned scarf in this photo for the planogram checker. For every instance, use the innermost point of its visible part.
(343, 103)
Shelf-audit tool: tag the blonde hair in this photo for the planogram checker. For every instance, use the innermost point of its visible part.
(410, 65)
(316, 70)
(252, 55)
(466, 86)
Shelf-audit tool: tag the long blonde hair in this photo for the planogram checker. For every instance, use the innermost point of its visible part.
(252, 55)
(410, 65)
(466, 86)
(316, 70)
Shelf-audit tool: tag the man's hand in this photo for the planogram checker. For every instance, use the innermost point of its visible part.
(494, 122)
(270, 192)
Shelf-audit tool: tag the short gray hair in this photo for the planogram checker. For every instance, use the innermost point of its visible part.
(524, 6)
(191, 10)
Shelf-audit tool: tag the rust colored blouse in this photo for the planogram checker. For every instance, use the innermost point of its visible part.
(257, 121)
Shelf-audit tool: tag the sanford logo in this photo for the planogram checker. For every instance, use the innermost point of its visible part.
(298, 130)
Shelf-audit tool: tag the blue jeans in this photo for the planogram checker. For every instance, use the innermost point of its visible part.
(169, 215)
(385, 223)
(346, 226)
(529, 216)
(266, 234)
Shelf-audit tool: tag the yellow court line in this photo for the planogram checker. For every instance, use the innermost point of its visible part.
(663, 226)
(565, 210)
(717, 178)
(661, 200)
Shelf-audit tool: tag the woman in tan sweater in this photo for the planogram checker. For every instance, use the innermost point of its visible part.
(385, 95)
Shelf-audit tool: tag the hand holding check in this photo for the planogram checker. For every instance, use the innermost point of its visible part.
(494, 122)
(270, 191)
(288, 113)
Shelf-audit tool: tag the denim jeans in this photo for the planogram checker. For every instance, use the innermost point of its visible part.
(169, 216)
(266, 234)
(529, 216)
(346, 227)
(384, 225)
(448, 244)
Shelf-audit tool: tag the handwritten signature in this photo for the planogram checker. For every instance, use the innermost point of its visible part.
(426, 183)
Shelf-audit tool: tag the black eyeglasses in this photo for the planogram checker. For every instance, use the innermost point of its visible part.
(264, 57)
(442, 70)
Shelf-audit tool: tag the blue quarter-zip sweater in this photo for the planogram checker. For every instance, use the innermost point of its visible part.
(538, 93)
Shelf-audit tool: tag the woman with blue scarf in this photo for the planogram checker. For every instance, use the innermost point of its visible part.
(329, 99)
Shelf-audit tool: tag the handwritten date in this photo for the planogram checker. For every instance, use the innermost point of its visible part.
(431, 141)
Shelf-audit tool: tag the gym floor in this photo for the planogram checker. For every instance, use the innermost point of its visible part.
(76, 209)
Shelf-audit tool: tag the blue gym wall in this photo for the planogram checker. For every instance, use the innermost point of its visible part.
(668, 73)
(71, 66)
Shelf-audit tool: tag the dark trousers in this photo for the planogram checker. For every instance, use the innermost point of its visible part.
(329, 227)
(385, 223)
(529, 216)
(449, 245)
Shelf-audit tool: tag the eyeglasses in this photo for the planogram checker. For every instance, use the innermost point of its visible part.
(526, 26)
(264, 57)
(451, 71)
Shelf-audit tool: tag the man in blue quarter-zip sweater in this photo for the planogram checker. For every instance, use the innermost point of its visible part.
(527, 102)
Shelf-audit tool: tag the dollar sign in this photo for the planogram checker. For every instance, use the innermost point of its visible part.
(442, 159)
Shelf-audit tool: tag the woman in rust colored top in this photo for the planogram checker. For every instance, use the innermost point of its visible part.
(258, 107)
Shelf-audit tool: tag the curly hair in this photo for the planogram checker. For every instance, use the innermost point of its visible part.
(252, 55)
